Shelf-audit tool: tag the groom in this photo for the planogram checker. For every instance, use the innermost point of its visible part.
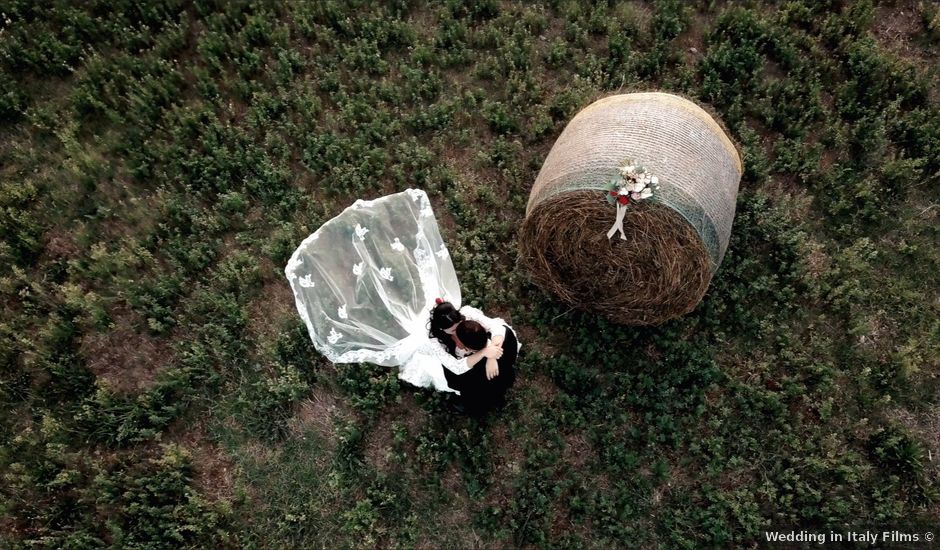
(484, 386)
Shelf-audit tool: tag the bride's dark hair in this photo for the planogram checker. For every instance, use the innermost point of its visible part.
(473, 335)
(443, 316)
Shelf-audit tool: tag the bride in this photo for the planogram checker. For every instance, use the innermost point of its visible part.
(376, 285)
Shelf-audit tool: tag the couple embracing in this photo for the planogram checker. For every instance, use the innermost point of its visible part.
(478, 354)
(376, 284)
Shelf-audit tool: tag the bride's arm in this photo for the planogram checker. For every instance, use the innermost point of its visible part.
(492, 368)
(451, 363)
(495, 325)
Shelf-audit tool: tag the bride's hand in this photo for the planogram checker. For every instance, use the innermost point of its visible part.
(492, 352)
(492, 369)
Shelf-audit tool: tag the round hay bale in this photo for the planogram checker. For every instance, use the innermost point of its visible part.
(676, 239)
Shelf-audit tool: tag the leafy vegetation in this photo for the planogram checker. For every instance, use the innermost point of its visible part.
(161, 159)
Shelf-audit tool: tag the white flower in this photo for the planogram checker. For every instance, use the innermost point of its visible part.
(442, 252)
(361, 232)
(421, 198)
(294, 263)
(627, 169)
(341, 311)
(638, 187)
(306, 282)
(416, 194)
(357, 269)
(623, 191)
(397, 245)
(646, 193)
(334, 336)
(386, 273)
(654, 180)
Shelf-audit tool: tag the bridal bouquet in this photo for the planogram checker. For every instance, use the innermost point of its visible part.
(634, 184)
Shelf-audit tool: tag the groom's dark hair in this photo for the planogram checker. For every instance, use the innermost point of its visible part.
(473, 335)
(443, 316)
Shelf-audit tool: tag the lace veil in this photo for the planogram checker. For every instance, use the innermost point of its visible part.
(365, 281)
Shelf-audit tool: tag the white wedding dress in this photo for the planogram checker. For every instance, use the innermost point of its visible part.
(365, 282)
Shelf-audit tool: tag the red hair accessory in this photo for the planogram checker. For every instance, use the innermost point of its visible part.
(438, 301)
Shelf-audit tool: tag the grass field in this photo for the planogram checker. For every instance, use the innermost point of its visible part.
(159, 162)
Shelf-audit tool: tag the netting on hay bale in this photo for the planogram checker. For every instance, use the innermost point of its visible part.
(676, 239)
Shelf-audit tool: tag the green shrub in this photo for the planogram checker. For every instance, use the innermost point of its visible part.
(155, 300)
(156, 506)
(876, 80)
(732, 66)
(267, 404)
(369, 387)
(918, 133)
(901, 454)
(21, 228)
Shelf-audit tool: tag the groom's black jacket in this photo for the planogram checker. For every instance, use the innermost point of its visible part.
(475, 388)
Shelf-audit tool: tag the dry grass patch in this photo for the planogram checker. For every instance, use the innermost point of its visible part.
(267, 311)
(60, 243)
(525, 334)
(692, 40)
(896, 26)
(380, 441)
(454, 526)
(125, 358)
(790, 196)
(320, 413)
(817, 261)
(577, 451)
(542, 389)
(214, 471)
(510, 452)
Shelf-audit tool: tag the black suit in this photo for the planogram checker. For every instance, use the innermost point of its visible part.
(479, 394)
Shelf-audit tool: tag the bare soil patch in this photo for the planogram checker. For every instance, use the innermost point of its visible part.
(510, 451)
(896, 27)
